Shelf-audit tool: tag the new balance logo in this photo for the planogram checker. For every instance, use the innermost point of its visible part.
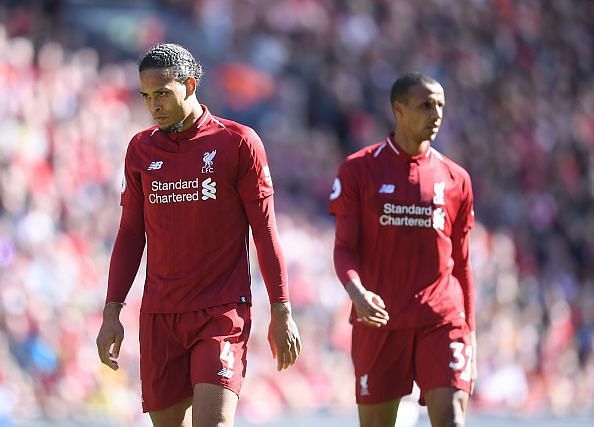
(228, 357)
(154, 166)
(209, 189)
(225, 373)
(387, 188)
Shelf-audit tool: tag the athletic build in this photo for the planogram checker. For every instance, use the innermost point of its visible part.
(194, 184)
(403, 212)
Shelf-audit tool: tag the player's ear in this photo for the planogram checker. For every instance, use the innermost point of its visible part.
(396, 108)
(190, 86)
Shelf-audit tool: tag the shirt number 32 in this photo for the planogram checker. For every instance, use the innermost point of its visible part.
(462, 359)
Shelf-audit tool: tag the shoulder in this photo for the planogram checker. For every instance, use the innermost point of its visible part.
(235, 129)
(459, 175)
(361, 160)
(143, 137)
(456, 171)
(365, 155)
(358, 164)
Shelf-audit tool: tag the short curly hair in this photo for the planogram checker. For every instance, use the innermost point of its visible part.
(401, 86)
(174, 56)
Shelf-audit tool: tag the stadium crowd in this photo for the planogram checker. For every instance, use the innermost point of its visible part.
(313, 78)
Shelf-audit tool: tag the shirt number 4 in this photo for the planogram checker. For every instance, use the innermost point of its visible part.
(462, 359)
(227, 355)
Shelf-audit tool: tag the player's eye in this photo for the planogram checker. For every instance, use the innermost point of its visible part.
(144, 95)
(162, 93)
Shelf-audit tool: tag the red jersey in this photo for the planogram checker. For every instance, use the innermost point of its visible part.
(189, 193)
(406, 238)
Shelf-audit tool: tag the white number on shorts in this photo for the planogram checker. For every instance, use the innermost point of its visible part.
(227, 355)
(460, 362)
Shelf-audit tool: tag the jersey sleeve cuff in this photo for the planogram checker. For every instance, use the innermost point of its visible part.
(278, 293)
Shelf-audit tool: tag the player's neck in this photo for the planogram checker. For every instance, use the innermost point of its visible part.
(194, 115)
(409, 145)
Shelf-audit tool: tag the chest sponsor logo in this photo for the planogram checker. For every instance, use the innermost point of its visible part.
(387, 188)
(208, 159)
(164, 192)
(155, 165)
(209, 189)
(439, 219)
(413, 216)
(438, 193)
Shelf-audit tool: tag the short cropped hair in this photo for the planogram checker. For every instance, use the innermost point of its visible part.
(403, 84)
(174, 56)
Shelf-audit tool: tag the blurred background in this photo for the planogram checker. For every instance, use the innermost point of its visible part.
(313, 78)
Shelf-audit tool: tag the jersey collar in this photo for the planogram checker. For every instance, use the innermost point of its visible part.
(196, 127)
(404, 156)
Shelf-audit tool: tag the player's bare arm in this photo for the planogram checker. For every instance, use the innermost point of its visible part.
(369, 306)
(283, 335)
(111, 335)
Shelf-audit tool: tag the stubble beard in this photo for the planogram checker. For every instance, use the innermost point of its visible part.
(177, 127)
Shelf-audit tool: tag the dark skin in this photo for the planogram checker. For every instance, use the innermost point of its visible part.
(418, 117)
(174, 107)
(172, 104)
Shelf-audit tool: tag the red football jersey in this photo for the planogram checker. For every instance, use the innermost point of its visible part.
(191, 187)
(407, 213)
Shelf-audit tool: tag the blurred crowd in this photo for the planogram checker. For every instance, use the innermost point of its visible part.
(313, 78)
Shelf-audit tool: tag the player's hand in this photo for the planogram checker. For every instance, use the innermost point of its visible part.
(283, 336)
(474, 369)
(110, 337)
(369, 306)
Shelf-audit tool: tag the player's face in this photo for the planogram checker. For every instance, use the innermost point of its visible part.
(420, 117)
(165, 98)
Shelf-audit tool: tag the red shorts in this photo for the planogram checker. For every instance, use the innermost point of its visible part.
(388, 361)
(179, 350)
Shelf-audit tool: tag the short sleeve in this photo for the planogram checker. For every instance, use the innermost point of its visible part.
(254, 180)
(465, 218)
(344, 198)
(132, 194)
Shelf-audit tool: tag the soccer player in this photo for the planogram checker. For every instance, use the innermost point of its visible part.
(403, 212)
(193, 185)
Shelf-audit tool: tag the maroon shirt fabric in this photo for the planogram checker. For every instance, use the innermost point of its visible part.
(402, 227)
(194, 195)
